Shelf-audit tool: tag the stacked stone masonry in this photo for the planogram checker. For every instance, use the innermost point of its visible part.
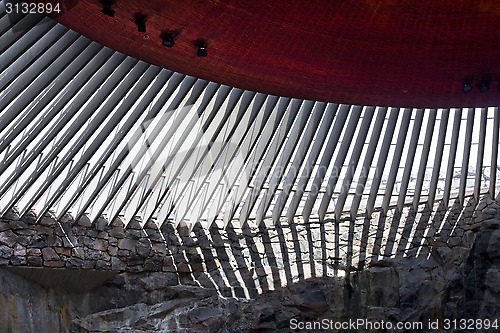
(82, 245)
(431, 263)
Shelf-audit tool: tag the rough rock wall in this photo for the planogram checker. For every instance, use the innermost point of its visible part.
(424, 266)
(27, 307)
(237, 262)
(82, 245)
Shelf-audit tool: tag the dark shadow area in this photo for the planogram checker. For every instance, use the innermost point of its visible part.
(285, 255)
(363, 246)
(67, 280)
(377, 246)
(393, 233)
(297, 244)
(236, 250)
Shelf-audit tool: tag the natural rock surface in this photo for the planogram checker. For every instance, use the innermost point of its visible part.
(412, 266)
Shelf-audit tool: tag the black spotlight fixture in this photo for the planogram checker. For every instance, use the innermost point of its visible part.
(484, 86)
(140, 20)
(202, 48)
(467, 87)
(167, 39)
(106, 10)
(202, 52)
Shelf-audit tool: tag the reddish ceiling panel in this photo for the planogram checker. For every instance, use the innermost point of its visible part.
(398, 53)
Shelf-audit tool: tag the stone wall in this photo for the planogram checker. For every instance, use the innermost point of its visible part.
(81, 244)
(239, 262)
(410, 266)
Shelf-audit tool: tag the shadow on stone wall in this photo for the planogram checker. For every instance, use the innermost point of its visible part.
(410, 266)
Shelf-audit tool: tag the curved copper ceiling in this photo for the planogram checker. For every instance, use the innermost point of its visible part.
(86, 130)
(398, 53)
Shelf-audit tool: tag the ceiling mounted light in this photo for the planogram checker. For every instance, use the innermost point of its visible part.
(167, 39)
(467, 87)
(202, 52)
(484, 86)
(202, 48)
(106, 10)
(140, 20)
